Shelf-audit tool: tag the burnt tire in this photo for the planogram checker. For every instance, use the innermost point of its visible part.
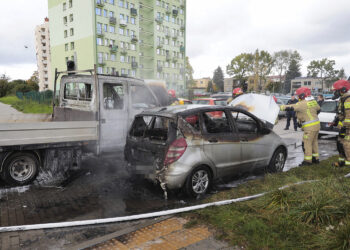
(20, 169)
(277, 161)
(198, 182)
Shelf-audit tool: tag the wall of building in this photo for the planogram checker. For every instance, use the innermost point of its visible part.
(315, 84)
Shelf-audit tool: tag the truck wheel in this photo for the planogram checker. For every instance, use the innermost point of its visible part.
(20, 169)
(198, 182)
(277, 161)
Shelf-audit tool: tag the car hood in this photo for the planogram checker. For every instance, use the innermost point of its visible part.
(262, 106)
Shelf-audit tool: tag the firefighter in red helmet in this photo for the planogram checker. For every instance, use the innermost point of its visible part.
(342, 120)
(235, 93)
(307, 110)
(172, 97)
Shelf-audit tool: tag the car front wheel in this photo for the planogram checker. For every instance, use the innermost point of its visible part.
(277, 161)
(198, 182)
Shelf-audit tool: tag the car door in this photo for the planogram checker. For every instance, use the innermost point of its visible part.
(220, 142)
(113, 115)
(255, 147)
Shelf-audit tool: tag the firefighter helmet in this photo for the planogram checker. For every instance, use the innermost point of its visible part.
(172, 93)
(342, 85)
(237, 91)
(303, 92)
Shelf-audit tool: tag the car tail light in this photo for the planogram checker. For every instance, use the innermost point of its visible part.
(175, 151)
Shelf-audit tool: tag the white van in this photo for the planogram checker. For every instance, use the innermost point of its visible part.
(326, 116)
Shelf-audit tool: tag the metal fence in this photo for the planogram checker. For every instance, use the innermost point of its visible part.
(44, 97)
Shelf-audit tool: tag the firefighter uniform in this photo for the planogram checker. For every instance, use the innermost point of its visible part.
(344, 135)
(306, 112)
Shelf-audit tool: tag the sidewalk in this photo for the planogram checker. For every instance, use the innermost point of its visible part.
(9, 114)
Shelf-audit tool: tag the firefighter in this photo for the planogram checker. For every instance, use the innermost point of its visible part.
(342, 120)
(235, 93)
(172, 98)
(307, 111)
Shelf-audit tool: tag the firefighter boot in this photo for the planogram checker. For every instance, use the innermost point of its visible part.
(315, 161)
(305, 163)
(338, 164)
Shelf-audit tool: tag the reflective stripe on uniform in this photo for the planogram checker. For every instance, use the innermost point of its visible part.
(347, 163)
(347, 137)
(346, 120)
(310, 123)
(315, 155)
(312, 103)
(341, 159)
(347, 105)
(308, 158)
(305, 137)
(340, 124)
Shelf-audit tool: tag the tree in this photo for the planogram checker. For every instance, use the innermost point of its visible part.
(323, 69)
(282, 60)
(4, 85)
(218, 79)
(210, 87)
(33, 81)
(240, 68)
(292, 72)
(263, 63)
(189, 73)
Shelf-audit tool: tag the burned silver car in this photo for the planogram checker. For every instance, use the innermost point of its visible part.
(189, 147)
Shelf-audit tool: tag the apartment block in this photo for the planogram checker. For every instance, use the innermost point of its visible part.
(315, 84)
(136, 38)
(43, 56)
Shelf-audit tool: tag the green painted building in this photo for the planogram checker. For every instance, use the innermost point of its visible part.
(137, 38)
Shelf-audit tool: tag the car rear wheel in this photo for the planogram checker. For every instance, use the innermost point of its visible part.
(198, 182)
(277, 161)
(20, 169)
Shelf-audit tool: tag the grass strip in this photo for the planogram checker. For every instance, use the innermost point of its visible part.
(26, 106)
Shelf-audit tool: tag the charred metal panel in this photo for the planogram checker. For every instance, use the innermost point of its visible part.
(69, 114)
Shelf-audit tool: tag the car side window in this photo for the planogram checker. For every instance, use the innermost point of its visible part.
(113, 96)
(245, 123)
(216, 122)
(193, 121)
(140, 125)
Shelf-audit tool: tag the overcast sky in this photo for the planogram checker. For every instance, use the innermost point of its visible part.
(217, 31)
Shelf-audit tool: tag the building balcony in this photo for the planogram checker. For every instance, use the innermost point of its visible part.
(100, 3)
(101, 62)
(134, 65)
(167, 35)
(175, 12)
(174, 59)
(113, 49)
(45, 62)
(134, 39)
(168, 12)
(112, 20)
(174, 37)
(159, 19)
(123, 51)
(100, 33)
(159, 68)
(182, 6)
(183, 27)
(182, 49)
(123, 23)
(168, 57)
(159, 45)
(133, 12)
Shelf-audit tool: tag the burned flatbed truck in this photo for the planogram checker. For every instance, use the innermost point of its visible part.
(92, 115)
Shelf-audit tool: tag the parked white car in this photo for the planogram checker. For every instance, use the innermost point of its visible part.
(328, 112)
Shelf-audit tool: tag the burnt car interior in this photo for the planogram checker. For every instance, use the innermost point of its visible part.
(113, 96)
(245, 123)
(216, 125)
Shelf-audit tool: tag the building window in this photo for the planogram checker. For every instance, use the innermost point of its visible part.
(133, 73)
(98, 11)
(66, 59)
(111, 29)
(70, 3)
(71, 17)
(72, 45)
(64, 6)
(106, 56)
(121, 31)
(99, 28)
(122, 58)
(132, 20)
(71, 32)
(158, 51)
(105, 27)
(65, 33)
(121, 3)
(113, 57)
(66, 47)
(167, 18)
(126, 5)
(105, 13)
(65, 20)
(111, 2)
(100, 70)
(106, 42)
(132, 46)
(99, 41)
(111, 14)
(158, 3)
